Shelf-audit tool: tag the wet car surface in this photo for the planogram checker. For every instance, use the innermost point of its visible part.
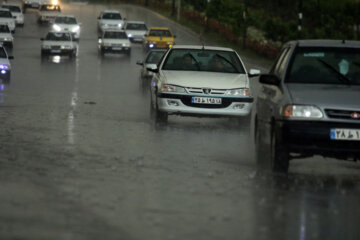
(80, 157)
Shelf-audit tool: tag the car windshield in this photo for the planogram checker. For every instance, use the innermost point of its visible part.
(4, 29)
(50, 8)
(154, 56)
(12, 8)
(203, 60)
(160, 33)
(136, 26)
(111, 16)
(58, 37)
(5, 14)
(115, 35)
(325, 65)
(65, 20)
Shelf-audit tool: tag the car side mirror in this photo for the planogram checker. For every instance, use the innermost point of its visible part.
(140, 63)
(153, 68)
(269, 79)
(254, 73)
(10, 57)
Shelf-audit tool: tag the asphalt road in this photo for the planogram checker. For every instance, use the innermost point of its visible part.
(81, 159)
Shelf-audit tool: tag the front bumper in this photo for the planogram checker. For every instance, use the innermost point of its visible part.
(57, 51)
(158, 46)
(183, 105)
(117, 49)
(313, 138)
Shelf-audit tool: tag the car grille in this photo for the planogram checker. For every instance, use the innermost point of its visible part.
(206, 91)
(55, 47)
(116, 45)
(343, 114)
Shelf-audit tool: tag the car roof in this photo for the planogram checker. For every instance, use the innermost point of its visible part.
(325, 43)
(159, 28)
(110, 11)
(197, 47)
(140, 22)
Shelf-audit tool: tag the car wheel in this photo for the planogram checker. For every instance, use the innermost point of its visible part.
(11, 45)
(156, 114)
(128, 52)
(7, 77)
(102, 52)
(43, 55)
(262, 150)
(279, 154)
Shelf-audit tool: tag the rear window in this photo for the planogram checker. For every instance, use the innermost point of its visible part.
(160, 33)
(115, 35)
(325, 65)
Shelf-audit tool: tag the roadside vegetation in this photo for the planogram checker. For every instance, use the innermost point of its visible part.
(262, 25)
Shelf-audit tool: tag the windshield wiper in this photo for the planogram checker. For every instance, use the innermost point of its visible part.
(196, 61)
(226, 60)
(342, 78)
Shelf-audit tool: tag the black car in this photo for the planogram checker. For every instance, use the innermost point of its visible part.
(309, 104)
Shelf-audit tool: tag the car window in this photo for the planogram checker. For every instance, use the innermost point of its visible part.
(160, 33)
(65, 20)
(325, 66)
(2, 53)
(50, 8)
(154, 57)
(136, 26)
(4, 29)
(5, 14)
(203, 60)
(12, 8)
(58, 37)
(115, 35)
(111, 16)
(276, 67)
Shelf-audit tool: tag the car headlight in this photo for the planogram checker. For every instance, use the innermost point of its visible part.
(129, 35)
(66, 47)
(4, 66)
(172, 88)
(8, 39)
(104, 24)
(302, 111)
(56, 27)
(239, 92)
(126, 45)
(75, 29)
(107, 44)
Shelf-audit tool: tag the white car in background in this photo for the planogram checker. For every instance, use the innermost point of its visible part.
(58, 43)
(7, 18)
(48, 12)
(114, 41)
(67, 23)
(6, 37)
(135, 30)
(32, 4)
(5, 66)
(16, 12)
(110, 19)
(201, 81)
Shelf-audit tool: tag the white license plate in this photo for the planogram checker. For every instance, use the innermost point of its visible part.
(206, 100)
(345, 134)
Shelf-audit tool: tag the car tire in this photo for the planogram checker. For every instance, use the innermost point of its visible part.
(102, 52)
(279, 154)
(262, 150)
(128, 52)
(7, 77)
(11, 45)
(156, 114)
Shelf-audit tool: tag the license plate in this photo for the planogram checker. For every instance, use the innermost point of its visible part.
(56, 51)
(345, 134)
(117, 48)
(206, 100)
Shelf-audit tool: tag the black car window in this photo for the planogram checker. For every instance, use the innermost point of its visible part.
(2, 53)
(65, 20)
(115, 35)
(58, 37)
(5, 14)
(203, 60)
(279, 62)
(325, 65)
(12, 8)
(160, 33)
(111, 16)
(136, 26)
(154, 57)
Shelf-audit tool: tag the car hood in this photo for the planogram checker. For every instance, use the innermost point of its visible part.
(116, 41)
(158, 39)
(136, 32)
(7, 20)
(109, 21)
(213, 80)
(49, 13)
(5, 35)
(67, 26)
(326, 96)
(5, 61)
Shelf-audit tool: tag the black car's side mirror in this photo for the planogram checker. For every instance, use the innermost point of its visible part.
(269, 79)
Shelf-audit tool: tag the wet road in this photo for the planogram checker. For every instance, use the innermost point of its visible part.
(81, 159)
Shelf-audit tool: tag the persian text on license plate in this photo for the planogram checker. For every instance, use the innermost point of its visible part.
(206, 100)
(345, 134)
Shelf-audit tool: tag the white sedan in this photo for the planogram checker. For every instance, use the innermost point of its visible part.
(48, 12)
(7, 18)
(114, 41)
(201, 81)
(6, 37)
(16, 12)
(67, 23)
(135, 30)
(110, 19)
(58, 43)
